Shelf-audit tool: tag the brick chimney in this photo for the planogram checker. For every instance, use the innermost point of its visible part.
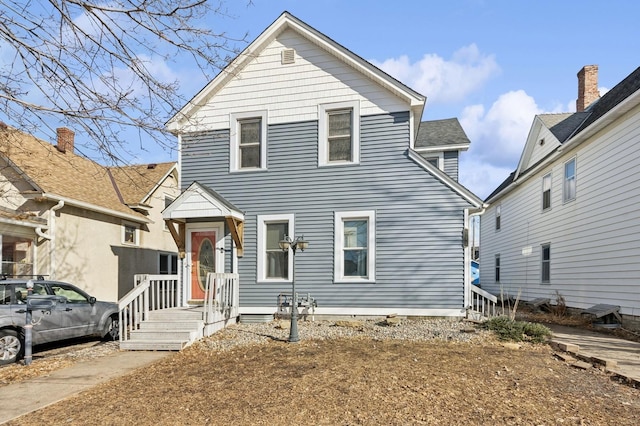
(65, 139)
(587, 87)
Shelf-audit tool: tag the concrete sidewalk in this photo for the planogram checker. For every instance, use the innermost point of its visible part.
(618, 356)
(33, 394)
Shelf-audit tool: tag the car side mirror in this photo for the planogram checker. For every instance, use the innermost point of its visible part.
(92, 300)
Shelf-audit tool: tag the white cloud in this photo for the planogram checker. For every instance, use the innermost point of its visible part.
(440, 80)
(497, 137)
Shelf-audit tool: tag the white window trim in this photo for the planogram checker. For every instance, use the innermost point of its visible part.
(234, 131)
(136, 237)
(262, 246)
(565, 197)
(542, 262)
(169, 256)
(323, 151)
(338, 268)
(498, 221)
(439, 155)
(544, 209)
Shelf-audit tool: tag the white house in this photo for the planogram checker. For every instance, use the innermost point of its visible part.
(567, 220)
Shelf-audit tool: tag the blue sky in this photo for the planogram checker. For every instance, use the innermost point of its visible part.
(492, 64)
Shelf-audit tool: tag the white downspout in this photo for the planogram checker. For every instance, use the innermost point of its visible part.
(468, 214)
(51, 237)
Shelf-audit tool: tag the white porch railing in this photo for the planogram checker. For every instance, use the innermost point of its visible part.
(150, 293)
(221, 302)
(482, 303)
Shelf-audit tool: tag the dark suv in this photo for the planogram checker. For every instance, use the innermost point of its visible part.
(74, 314)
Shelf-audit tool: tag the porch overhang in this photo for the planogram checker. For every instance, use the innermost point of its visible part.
(201, 203)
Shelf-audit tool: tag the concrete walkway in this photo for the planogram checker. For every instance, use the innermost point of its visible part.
(33, 394)
(619, 356)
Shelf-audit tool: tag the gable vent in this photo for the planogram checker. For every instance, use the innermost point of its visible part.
(288, 56)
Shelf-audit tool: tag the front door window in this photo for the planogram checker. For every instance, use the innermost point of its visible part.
(203, 261)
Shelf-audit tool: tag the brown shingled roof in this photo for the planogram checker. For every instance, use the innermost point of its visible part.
(66, 175)
(136, 182)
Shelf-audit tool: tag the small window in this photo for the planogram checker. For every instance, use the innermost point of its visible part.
(546, 192)
(436, 160)
(274, 264)
(498, 217)
(130, 234)
(355, 246)
(339, 133)
(546, 263)
(248, 140)
(497, 268)
(570, 180)
(168, 264)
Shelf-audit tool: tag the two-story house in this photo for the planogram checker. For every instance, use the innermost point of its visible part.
(71, 219)
(298, 136)
(565, 220)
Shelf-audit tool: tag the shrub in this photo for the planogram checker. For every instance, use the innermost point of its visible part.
(508, 329)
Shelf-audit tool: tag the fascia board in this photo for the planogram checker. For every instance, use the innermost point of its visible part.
(446, 179)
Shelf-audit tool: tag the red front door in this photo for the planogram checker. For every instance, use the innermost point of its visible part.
(203, 261)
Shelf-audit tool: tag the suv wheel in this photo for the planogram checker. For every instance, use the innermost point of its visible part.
(11, 346)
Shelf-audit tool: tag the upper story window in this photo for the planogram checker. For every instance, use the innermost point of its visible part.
(355, 246)
(130, 234)
(546, 191)
(248, 141)
(274, 264)
(339, 133)
(437, 160)
(570, 180)
(498, 217)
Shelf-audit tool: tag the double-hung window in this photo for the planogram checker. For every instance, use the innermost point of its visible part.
(274, 264)
(498, 217)
(130, 234)
(355, 246)
(248, 136)
(570, 180)
(546, 191)
(545, 261)
(339, 133)
(497, 268)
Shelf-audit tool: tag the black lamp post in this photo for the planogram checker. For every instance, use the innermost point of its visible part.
(294, 244)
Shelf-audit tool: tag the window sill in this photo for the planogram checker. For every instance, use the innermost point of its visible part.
(249, 170)
(273, 281)
(354, 281)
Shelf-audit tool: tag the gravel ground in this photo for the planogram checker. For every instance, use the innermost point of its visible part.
(406, 329)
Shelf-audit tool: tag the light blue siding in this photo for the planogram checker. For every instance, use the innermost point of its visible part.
(451, 164)
(419, 220)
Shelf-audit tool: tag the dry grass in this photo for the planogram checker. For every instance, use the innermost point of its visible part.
(353, 381)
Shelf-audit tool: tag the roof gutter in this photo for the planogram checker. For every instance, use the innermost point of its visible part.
(52, 215)
(93, 207)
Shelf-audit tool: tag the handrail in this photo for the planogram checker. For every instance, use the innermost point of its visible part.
(150, 293)
(483, 302)
(221, 301)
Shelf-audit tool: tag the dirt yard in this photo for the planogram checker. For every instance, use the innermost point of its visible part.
(350, 381)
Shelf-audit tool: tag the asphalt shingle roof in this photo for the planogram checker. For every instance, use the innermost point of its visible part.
(72, 176)
(440, 133)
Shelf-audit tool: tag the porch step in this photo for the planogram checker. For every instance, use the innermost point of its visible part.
(171, 325)
(158, 345)
(161, 335)
(176, 314)
(167, 330)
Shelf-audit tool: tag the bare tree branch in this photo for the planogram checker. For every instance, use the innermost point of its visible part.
(104, 68)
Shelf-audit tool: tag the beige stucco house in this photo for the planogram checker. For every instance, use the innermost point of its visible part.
(72, 219)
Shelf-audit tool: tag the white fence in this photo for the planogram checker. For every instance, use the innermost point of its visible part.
(150, 293)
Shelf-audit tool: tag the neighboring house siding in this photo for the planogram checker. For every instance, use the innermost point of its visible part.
(451, 164)
(540, 151)
(593, 239)
(292, 92)
(416, 215)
